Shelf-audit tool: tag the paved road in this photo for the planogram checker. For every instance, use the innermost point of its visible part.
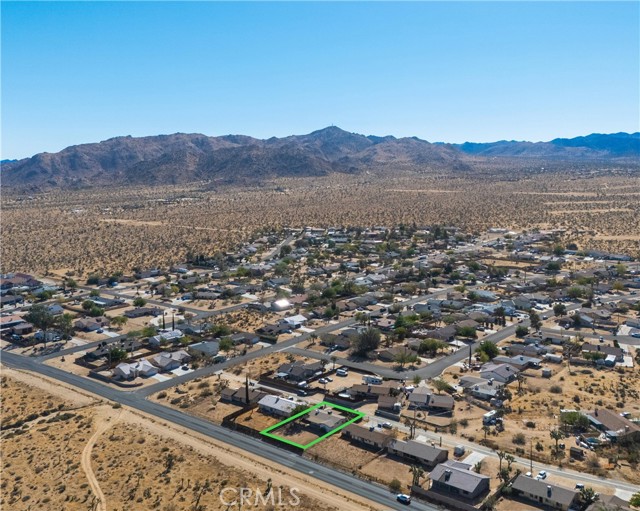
(588, 334)
(524, 462)
(429, 371)
(348, 482)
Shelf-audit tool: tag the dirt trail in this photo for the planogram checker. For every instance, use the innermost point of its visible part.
(103, 422)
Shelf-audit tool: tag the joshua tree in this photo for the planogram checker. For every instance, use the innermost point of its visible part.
(556, 435)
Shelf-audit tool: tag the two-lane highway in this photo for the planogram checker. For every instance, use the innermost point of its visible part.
(337, 478)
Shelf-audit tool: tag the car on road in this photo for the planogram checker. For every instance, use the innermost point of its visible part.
(403, 498)
(541, 475)
(302, 393)
(601, 339)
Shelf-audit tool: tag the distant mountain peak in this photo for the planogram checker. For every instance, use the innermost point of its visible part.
(184, 157)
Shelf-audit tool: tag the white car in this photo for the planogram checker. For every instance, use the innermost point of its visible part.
(342, 372)
(541, 475)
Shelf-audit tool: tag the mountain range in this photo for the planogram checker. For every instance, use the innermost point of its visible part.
(184, 158)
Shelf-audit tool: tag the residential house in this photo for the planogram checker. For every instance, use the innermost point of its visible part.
(55, 309)
(206, 348)
(387, 388)
(10, 300)
(519, 362)
(295, 321)
(91, 324)
(391, 404)
(22, 328)
(527, 350)
(244, 338)
(168, 361)
(613, 425)
(606, 351)
(367, 436)
(423, 398)
(480, 388)
(299, 371)
(418, 452)
(324, 420)
(609, 503)
(140, 312)
(239, 396)
(456, 478)
(276, 405)
(8, 322)
(166, 336)
(126, 371)
(503, 373)
(281, 305)
(446, 334)
(544, 493)
(272, 331)
(390, 354)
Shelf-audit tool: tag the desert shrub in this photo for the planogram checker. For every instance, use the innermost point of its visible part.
(519, 439)
(555, 389)
(395, 486)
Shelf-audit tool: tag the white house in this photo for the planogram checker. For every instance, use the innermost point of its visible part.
(296, 321)
(127, 371)
(276, 405)
(167, 335)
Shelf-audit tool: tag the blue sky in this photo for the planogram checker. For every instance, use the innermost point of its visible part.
(453, 72)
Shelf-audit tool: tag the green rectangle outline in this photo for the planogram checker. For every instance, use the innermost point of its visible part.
(267, 431)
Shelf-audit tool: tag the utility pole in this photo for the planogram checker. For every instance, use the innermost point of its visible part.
(531, 455)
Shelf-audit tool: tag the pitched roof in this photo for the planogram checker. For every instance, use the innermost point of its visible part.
(366, 434)
(458, 477)
(418, 449)
(544, 489)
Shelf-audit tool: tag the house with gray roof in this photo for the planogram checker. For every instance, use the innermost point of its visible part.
(453, 478)
(366, 436)
(503, 373)
(543, 493)
(418, 452)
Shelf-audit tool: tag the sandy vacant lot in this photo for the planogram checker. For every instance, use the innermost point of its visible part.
(597, 208)
(87, 454)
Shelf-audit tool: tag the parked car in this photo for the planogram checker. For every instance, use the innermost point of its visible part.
(387, 425)
(323, 381)
(579, 486)
(541, 475)
(342, 372)
(635, 334)
(403, 498)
